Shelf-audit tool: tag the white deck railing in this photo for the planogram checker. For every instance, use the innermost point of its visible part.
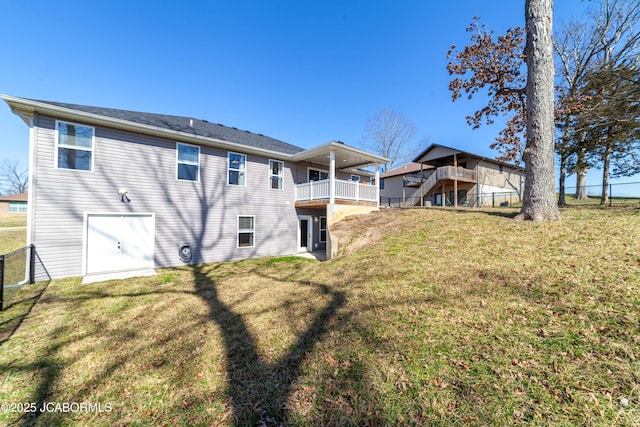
(345, 190)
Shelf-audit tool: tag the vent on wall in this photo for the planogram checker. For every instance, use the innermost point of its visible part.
(186, 254)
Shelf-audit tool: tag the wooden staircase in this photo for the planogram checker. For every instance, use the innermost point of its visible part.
(442, 174)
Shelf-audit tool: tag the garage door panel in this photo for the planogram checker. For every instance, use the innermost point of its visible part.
(119, 242)
(137, 242)
(103, 250)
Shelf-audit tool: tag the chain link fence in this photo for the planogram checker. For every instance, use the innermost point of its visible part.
(17, 269)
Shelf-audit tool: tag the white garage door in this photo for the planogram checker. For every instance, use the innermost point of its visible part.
(119, 242)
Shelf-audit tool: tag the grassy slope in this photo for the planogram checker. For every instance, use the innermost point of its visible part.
(453, 317)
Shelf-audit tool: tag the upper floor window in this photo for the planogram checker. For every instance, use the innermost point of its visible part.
(237, 165)
(74, 146)
(188, 162)
(355, 178)
(276, 174)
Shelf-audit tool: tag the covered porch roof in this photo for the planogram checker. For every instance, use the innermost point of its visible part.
(347, 159)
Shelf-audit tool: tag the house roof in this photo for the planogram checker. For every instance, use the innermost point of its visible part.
(20, 197)
(187, 125)
(440, 155)
(411, 168)
(189, 129)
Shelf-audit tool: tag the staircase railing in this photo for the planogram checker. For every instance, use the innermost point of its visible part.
(442, 173)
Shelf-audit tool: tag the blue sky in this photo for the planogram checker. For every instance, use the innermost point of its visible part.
(305, 72)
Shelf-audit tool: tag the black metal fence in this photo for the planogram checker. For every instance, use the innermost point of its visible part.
(493, 199)
(619, 194)
(17, 269)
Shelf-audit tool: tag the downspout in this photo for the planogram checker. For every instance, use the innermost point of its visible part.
(421, 182)
(378, 184)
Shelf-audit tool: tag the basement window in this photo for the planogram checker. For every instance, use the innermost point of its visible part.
(246, 231)
(323, 229)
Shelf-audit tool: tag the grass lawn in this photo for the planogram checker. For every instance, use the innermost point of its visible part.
(13, 220)
(428, 316)
(13, 232)
(595, 201)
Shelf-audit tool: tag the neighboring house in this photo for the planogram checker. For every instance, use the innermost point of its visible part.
(114, 190)
(14, 204)
(442, 175)
(399, 187)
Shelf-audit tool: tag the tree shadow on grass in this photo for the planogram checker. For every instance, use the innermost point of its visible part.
(507, 213)
(258, 390)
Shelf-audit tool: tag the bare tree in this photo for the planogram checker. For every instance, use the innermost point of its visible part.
(14, 177)
(390, 134)
(539, 197)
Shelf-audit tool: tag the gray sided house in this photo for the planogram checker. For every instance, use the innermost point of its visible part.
(446, 176)
(115, 192)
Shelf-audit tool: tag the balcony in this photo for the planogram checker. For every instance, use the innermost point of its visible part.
(349, 191)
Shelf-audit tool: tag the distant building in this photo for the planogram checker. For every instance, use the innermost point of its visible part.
(447, 176)
(14, 204)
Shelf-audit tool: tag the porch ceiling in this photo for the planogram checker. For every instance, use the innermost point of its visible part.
(348, 159)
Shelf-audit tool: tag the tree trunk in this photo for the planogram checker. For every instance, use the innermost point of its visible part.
(581, 185)
(539, 199)
(562, 202)
(604, 198)
(581, 170)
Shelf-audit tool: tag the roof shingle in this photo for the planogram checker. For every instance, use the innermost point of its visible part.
(187, 125)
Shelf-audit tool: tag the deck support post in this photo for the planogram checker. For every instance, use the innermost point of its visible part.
(378, 184)
(332, 177)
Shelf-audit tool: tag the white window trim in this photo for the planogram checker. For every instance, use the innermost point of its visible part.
(74, 147)
(356, 176)
(19, 205)
(178, 162)
(271, 175)
(246, 166)
(245, 230)
(320, 229)
(316, 169)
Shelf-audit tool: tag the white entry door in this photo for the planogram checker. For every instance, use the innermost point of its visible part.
(119, 242)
